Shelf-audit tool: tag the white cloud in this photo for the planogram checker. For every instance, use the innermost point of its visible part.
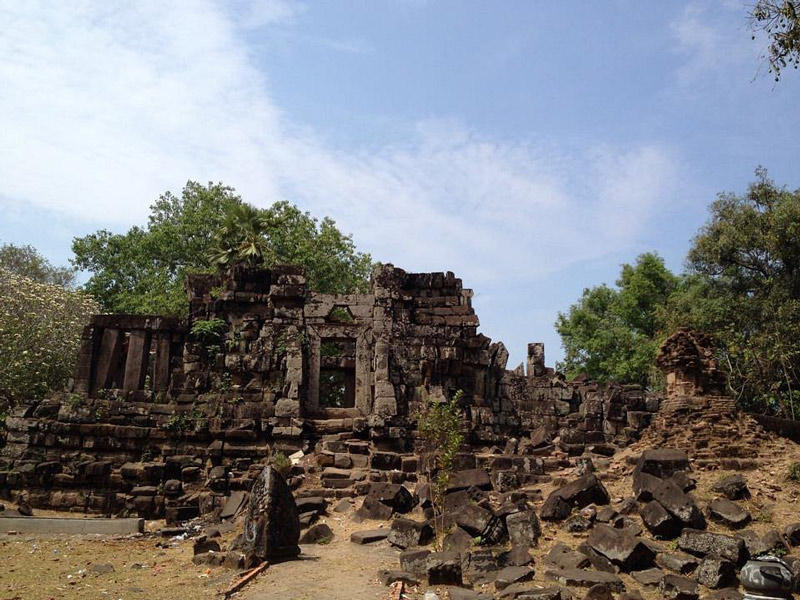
(714, 42)
(104, 106)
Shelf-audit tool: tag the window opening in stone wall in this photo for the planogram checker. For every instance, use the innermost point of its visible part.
(337, 388)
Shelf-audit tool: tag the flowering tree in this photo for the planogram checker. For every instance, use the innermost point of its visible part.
(40, 331)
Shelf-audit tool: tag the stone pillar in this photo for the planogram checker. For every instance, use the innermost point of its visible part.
(107, 359)
(162, 367)
(364, 372)
(83, 370)
(536, 366)
(136, 361)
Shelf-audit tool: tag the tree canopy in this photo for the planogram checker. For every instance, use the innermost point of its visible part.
(748, 256)
(28, 262)
(742, 286)
(612, 333)
(207, 226)
(780, 20)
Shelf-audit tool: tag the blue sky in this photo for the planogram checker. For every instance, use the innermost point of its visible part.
(530, 147)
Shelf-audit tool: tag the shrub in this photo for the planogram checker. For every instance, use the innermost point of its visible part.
(40, 334)
(439, 425)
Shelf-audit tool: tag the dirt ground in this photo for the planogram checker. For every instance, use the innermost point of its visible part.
(152, 567)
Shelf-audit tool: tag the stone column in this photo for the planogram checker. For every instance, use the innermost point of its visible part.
(536, 366)
(137, 359)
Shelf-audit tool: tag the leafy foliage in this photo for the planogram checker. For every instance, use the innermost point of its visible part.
(40, 331)
(613, 333)
(780, 20)
(281, 463)
(747, 260)
(143, 270)
(208, 331)
(26, 261)
(742, 287)
(438, 425)
(242, 237)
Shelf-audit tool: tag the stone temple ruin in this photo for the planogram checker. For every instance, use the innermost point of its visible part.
(189, 419)
(164, 422)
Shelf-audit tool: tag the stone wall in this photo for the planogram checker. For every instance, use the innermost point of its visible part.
(165, 420)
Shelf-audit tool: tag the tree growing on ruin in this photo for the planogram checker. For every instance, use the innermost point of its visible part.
(40, 331)
(142, 271)
(439, 426)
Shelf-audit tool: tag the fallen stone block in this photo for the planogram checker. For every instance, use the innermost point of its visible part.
(406, 533)
(505, 577)
(415, 562)
(702, 543)
(584, 579)
(675, 587)
(320, 533)
(444, 568)
(621, 548)
(715, 572)
(663, 462)
(733, 487)
(369, 536)
(659, 522)
(728, 513)
(523, 528)
(678, 562)
(576, 494)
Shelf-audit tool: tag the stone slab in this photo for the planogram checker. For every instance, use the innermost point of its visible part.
(57, 525)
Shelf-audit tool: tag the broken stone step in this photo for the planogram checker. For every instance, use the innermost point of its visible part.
(585, 579)
(369, 536)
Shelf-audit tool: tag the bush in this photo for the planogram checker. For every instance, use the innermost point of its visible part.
(40, 334)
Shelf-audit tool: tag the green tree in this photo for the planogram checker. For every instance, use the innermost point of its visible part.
(26, 261)
(613, 334)
(143, 270)
(747, 263)
(780, 20)
(40, 331)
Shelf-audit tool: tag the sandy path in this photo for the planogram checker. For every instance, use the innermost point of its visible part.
(340, 570)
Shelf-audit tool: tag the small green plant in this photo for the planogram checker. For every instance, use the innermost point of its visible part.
(673, 546)
(281, 463)
(147, 455)
(281, 345)
(793, 473)
(160, 488)
(225, 382)
(74, 400)
(209, 333)
(439, 425)
(324, 541)
(778, 551)
(178, 423)
(339, 314)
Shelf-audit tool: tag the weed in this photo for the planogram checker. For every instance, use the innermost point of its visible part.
(281, 463)
(74, 400)
(793, 473)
